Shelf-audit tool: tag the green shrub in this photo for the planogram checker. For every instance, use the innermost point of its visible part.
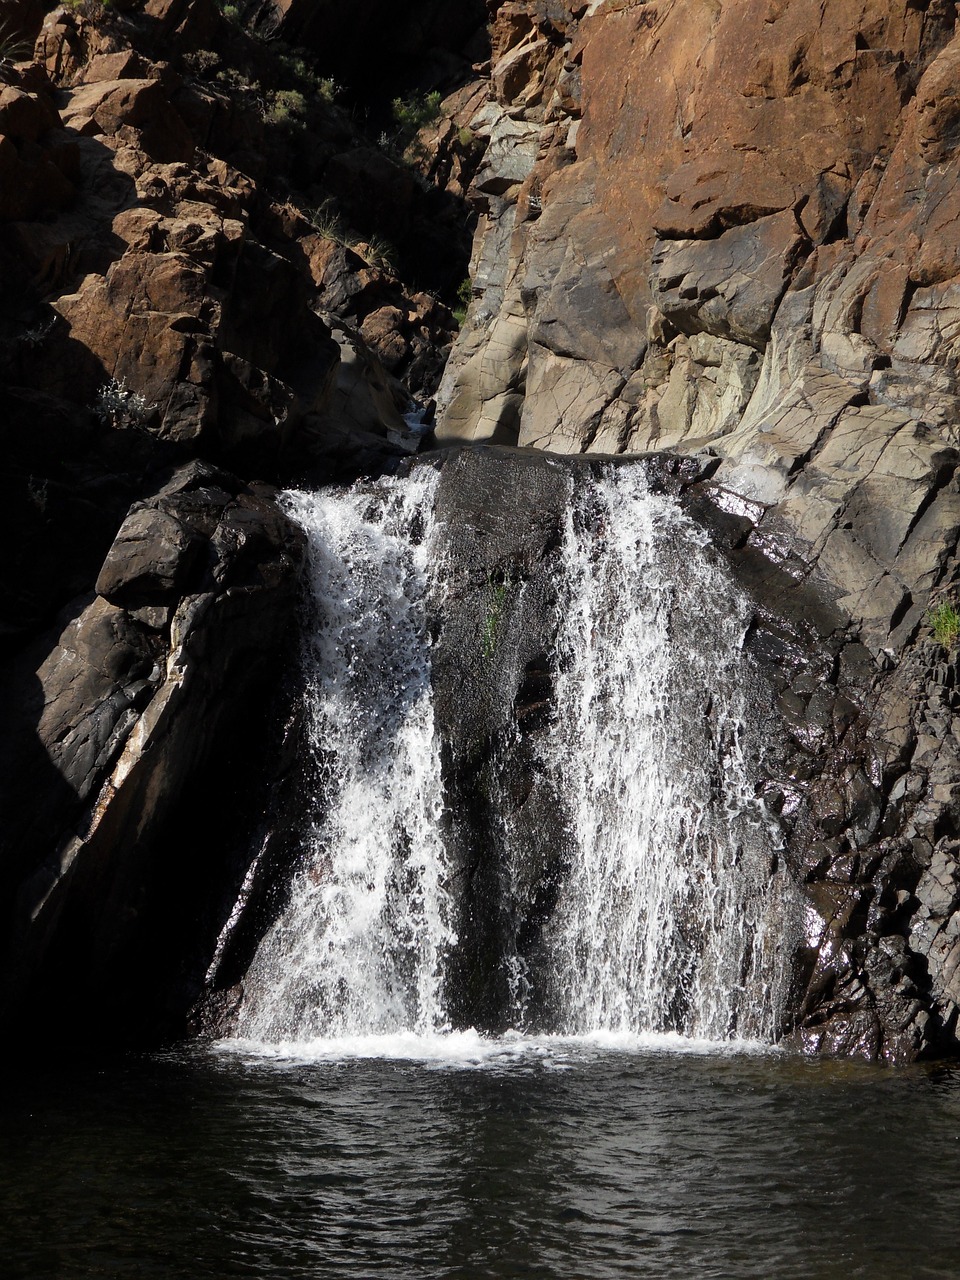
(201, 61)
(231, 78)
(464, 298)
(945, 621)
(410, 115)
(294, 67)
(288, 107)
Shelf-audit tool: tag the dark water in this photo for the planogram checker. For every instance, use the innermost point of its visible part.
(580, 1165)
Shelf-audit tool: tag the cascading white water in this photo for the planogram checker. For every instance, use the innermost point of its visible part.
(668, 917)
(360, 947)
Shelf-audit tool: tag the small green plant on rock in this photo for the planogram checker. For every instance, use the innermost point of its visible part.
(413, 114)
(491, 624)
(464, 298)
(38, 333)
(117, 406)
(945, 620)
(382, 253)
(92, 10)
(328, 222)
(410, 115)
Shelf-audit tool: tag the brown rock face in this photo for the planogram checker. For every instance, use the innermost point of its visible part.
(734, 228)
(35, 181)
(142, 217)
(180, 324)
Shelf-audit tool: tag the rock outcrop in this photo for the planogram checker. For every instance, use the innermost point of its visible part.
(120, 750)
(729, 230)
(724, 231)
(197, 305)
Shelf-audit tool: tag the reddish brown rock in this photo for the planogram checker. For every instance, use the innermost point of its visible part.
(26, 117)
(383, 330)
(162, 304)
(736, 227)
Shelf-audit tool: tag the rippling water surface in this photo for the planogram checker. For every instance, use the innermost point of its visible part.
(470, 1159)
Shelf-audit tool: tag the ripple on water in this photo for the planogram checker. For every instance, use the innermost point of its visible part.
(558, 1160)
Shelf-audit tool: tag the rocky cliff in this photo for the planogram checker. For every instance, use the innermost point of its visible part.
(215, 278)
(730, 230)
(229, 259)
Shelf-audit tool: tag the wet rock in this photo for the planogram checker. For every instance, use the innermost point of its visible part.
(743, 266)
(493, 682)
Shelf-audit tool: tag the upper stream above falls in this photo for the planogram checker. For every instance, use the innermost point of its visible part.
(530, 799)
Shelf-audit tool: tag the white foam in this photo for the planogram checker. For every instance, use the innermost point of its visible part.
(469, 1050)
(670, 918)
(360, 948)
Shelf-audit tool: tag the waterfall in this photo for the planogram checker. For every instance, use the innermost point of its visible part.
(360, 947)
(671, 918)
(671, 914)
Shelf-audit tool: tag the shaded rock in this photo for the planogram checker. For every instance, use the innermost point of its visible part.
(134, 720)
(136, 110)
(69, 482)
(492, 662)
(161, 305)
(730, 286)
(150, 559)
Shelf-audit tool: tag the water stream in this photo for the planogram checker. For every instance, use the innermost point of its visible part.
(360, 948)
(673, 918)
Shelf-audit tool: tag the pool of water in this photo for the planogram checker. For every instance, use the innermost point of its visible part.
(573, 1159)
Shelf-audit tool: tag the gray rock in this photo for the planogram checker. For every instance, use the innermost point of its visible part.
(147, 716)
(729, 286)
(150, 559)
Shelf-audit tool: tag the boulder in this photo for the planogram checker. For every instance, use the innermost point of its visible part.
(104, 833)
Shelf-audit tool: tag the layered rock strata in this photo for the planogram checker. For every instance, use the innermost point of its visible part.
(729, 230)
